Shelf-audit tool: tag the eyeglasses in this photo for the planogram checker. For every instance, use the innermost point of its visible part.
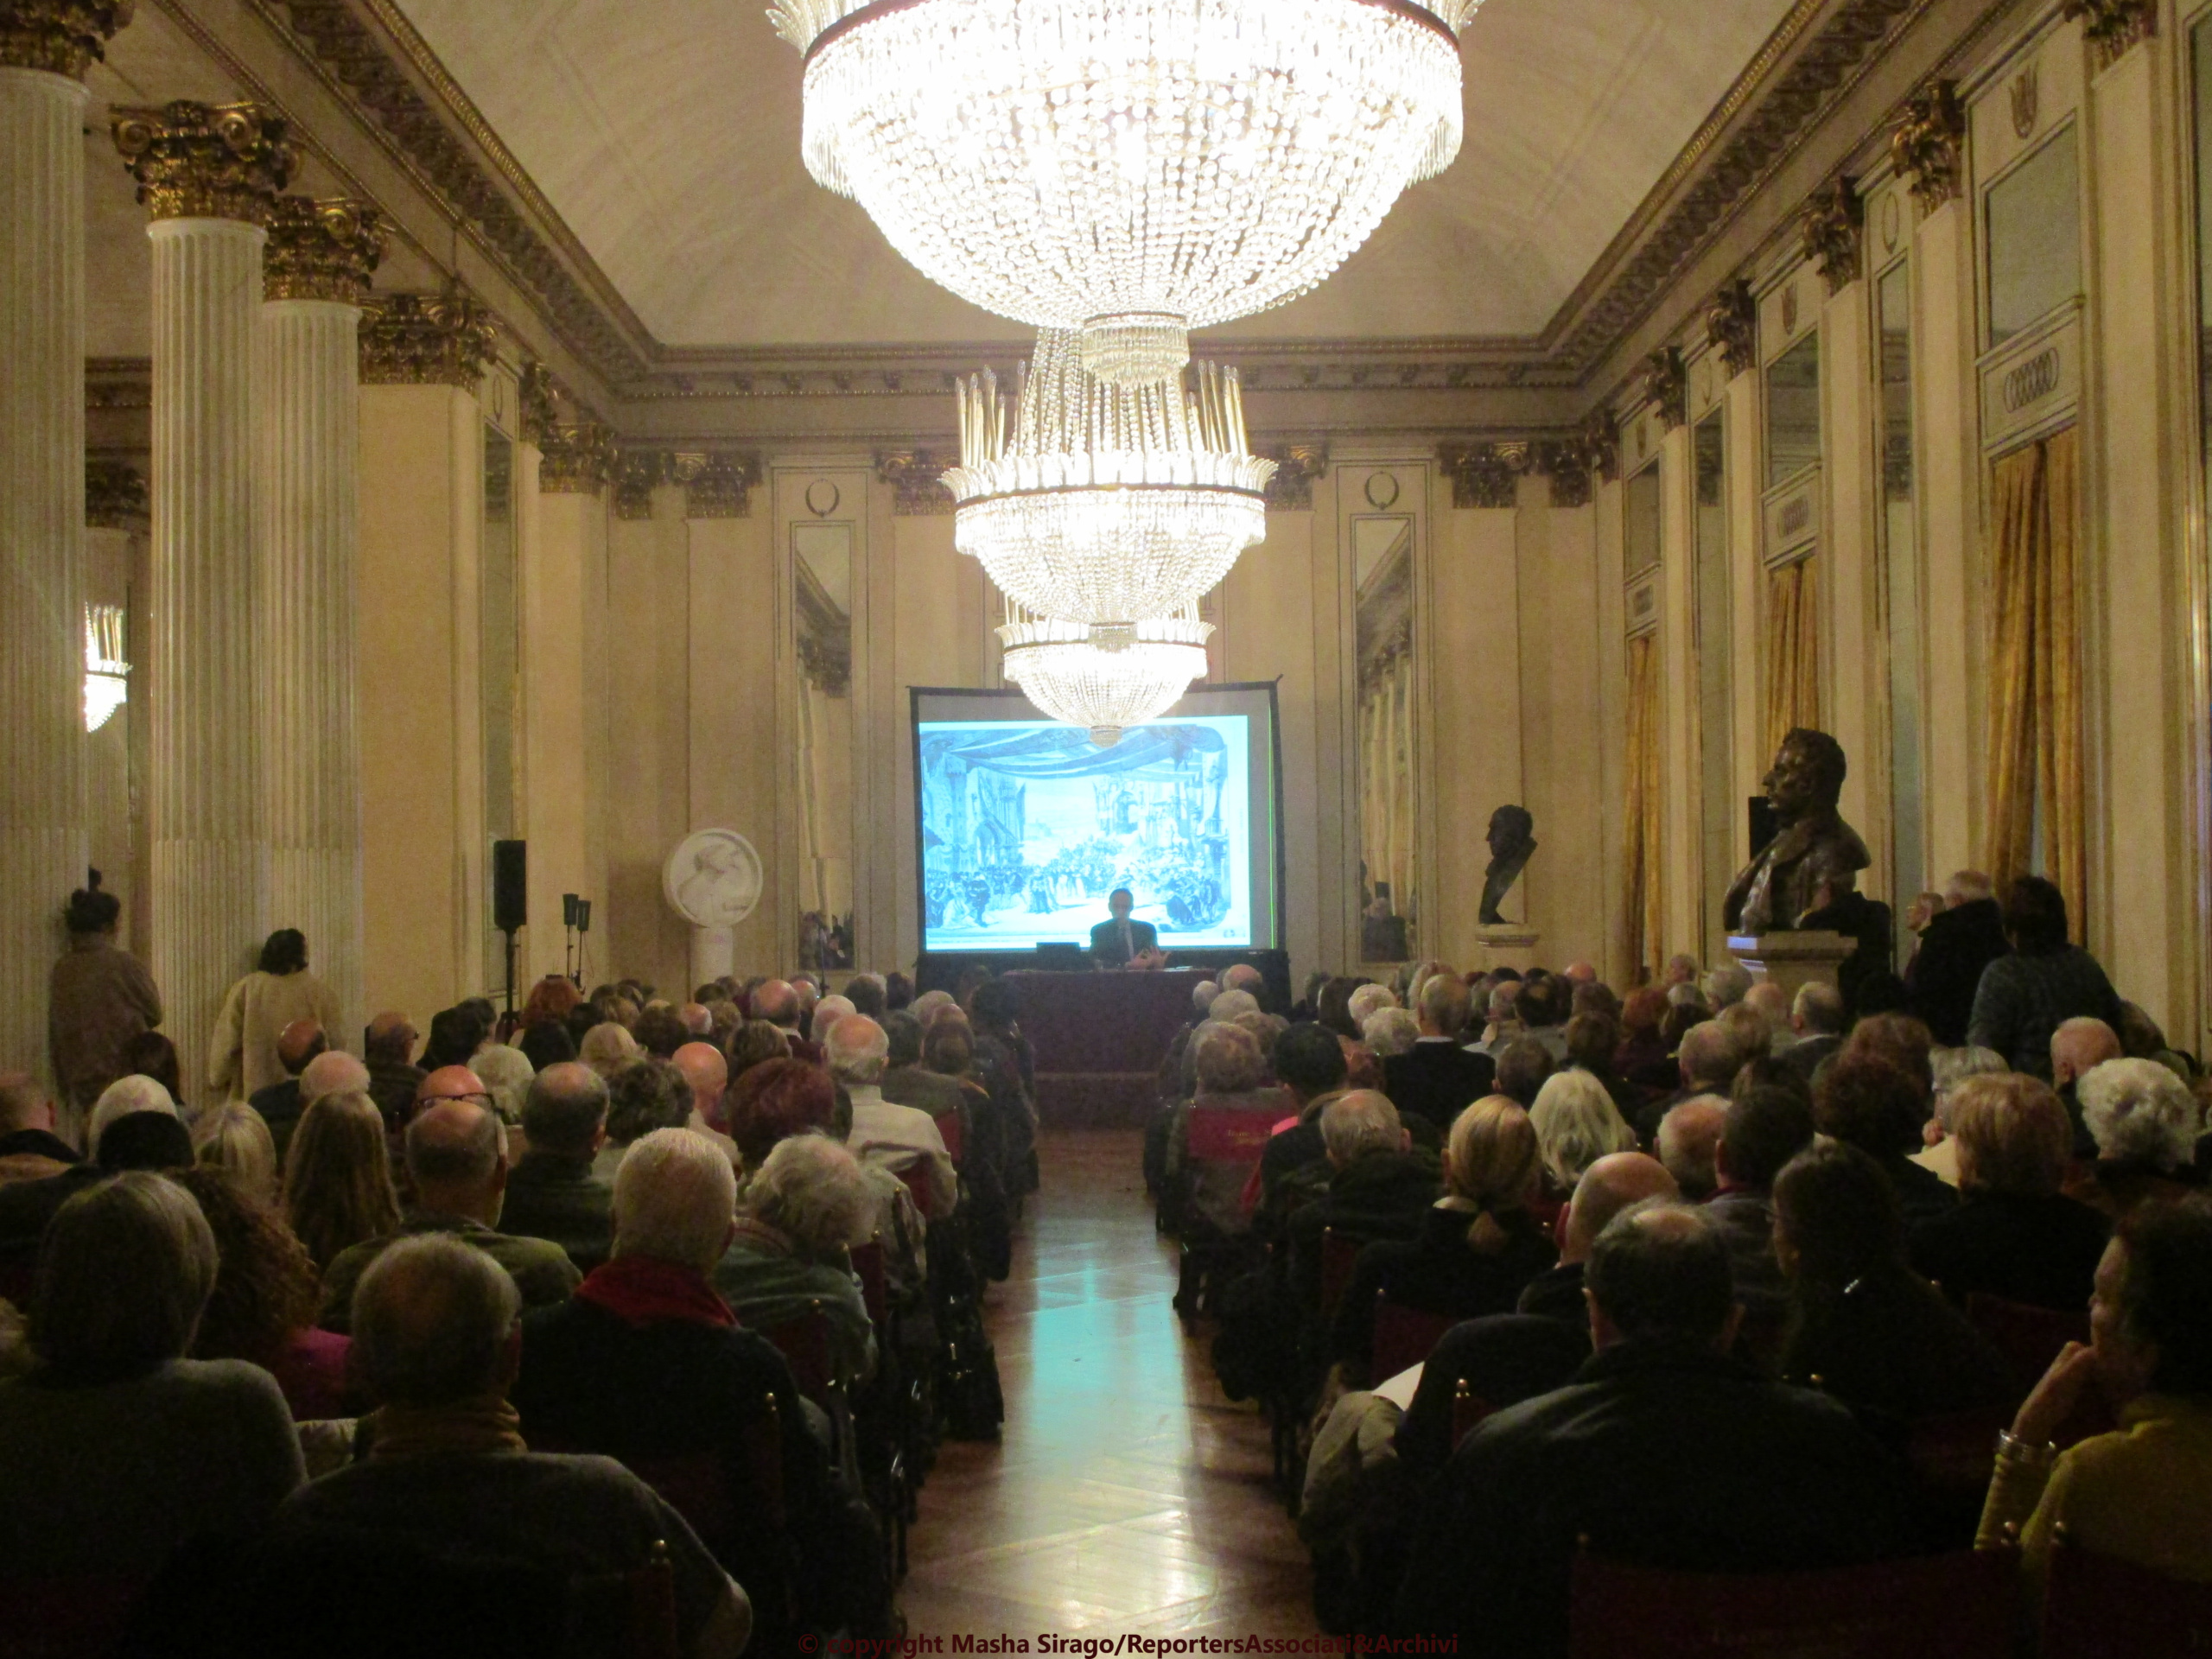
(484, 1101)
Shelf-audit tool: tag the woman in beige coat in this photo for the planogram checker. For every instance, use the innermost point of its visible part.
(242, 1055)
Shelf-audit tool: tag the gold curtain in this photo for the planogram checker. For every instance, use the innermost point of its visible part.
(1793, 651)
(1386, 781)
(1643, 806)
(2035, 670)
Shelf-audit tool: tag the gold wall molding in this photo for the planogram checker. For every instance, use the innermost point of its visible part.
(1665, 384)
(574, 460)
(2112, 28)
(637, 473)
(322, 249)
(1834, 231)
(426, 339)
(1599, 444)
(1483, 475)
(916, 477)
(62, 37)
(115, 494)
(1928, 145)
(1732, 327)
(207, 161)
(718, 484)
(1297, 465)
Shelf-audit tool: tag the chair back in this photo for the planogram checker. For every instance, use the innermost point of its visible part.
(1222, 1134)
(2029, 1337)
(1403, 1336)
(650, 1629)
(806, 1347)
(916, 1173)
(1957, 1606)
(867, 1265)
(1339, 1255)
(1468, 1410)
(948, 1126)
(2100, 1607)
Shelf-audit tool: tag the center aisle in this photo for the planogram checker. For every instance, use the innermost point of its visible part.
(1127, 1495)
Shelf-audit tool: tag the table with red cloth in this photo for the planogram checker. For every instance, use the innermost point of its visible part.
(1098, 1040)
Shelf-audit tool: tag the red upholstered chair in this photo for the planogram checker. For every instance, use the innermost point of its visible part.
(805, 1345)
(867, 1267)
(2029, 1338)
(1403, 1336)
(1957, 1606)
(2099, 1607)
(1217, 1135)
(949, 1127)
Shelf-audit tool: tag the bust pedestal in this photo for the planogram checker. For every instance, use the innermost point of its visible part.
(1505, 944)
(1790, 960)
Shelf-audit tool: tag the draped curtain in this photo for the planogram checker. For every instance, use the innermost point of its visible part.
(1793, 651)
(1642, 817)
(2035, 670)
(1386, 782)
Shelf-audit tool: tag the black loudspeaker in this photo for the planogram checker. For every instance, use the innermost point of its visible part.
(510, 885)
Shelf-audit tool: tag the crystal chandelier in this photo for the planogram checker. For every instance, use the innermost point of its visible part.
(1132, 169)
(1105, 504)
(107, 675)
(1106, 679)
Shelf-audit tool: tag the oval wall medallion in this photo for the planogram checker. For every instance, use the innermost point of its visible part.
(822, 498)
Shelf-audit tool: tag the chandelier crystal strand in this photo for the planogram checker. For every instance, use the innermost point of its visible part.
(1131, 170)
(1104, 679)
(1102, 503)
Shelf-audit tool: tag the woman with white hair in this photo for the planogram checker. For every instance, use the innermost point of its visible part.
(2146, 1122)
(1367, 1001)
(506, 1072)
(608, 1047)
(235, 1140)
(808, 1204)
(120, 1099)
(1390, 1032)
(1576, 1124)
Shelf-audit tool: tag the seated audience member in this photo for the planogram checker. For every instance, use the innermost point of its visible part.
(705, 1072)
(126, 1096)
(551, 1001)
(1576, 1124)
(338, 1189)
(1897, 1040)
(1772, 1004)
(645, 1363)
(2143, 1493)
(2146, 1122)
(1763, 1130)
(1378, 1187)
(1643, 1054)
(755, 1043)
(1524, 1065)
(133, 1125)
(553, 1193)
(661, 1032)
(279, 1103)
(2015, 1236)
(894, 1137)
(1593, 1041)
(117, 1448)
(1544, 1006)
(1504, 1358)
(805, 1206)
(1662, 1451)
(1817, 1017)
(773, 1101)
(648, 1094)
(149, 1054)
(1961, 938)
(907, 1080)
(1388, 1034)
(1867, 1102)
(2026, 994)
(1710, 1055)
(1007, 1066)
(1502, 1020)
(2077, 1048)
(1726, 986)
(1682, 969)
(1950, 1067)
(545, 1044)
(30, 1149)
(1436, 1078)
(457, 1159)
(1230, 1079)
(1478, 1246)
(388, 1049)
(1689, 1137)
(1171, 1063)
(1294, 1168)
(1367, 1001)
(507, 1073)
(448, 1475)
(233, 1139)
(263, 1308)
(1863, 1326)
(606, 1048)
(455, 1035)
(1607, 1187)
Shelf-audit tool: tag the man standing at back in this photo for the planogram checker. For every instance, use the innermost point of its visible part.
(1436, 1078)
(1960, 940)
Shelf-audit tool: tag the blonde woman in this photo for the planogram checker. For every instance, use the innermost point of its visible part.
(1576, 1124)
(1479, 1247)
(338, 1187)
(608, 1048)
(234, 1139)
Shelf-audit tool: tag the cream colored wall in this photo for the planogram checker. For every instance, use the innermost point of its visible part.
(1476, 655)
(1562, 705)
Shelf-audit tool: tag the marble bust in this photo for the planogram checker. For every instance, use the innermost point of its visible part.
(1814, 857)
(1512, 840)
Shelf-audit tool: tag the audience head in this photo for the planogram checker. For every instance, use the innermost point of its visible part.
(91, 912)
(1727, 985)
(1763, 1130)
(1202, 996)
(674, 1199)
(949, 1048)
(1768, 1073)
(1243, 976)
(608, 1048)
(124, 1272)
(1641, 1013)
(2035, 916)
(898, 992)
(455, 1035)
(1865, 1100)
(1836, 1218)
(1502, 1006)
(1750, 1037)
(545, 1044)
(434, 1324)
(149, 1054)
(1771, 1003)
(995, 1007)
(902, 1037)
(145, 1141)
(507, 1073)
(1660, 1274)
(856, 1049)
(2151, 1319)
(338, 1185)
(813, 1192)
(1681, 970)
(1366, 1001)
(774, 1101)
(1443, 1006)
(265, 1283)
(706, 1075)
(565, 1111)
(2141, 1116)
(777, 1003)
(2078, 1047)
(1607, 1187)
(2013, 1135)
(865, 993)
(829, 1011)
(1580, 973)
(1230, 1006)
(1681, 1020)
(1950, 1067)
(235, 1140)
(1264, 1029)
(661, 1031)
(297, 1044)
(550, 1000)
(1544, 1001)
(125, 1098)
(23, 1104)
(1817, 1010)
(1593, 1041)
(1594, 998)
(1228, 1061)
(1523, 1066)
(1967, 888)
(1309, 1061)
(331, 1072)
(1689, 1136)
(1359, 1122)
(1900, 1040)
(1492, 1164)
(285, 952)
(1334, 1009)
(755, 1043)
(1710, 1057)
(457, 1156)
(1389, 1031)
(1576, 1124)
(645, 1095)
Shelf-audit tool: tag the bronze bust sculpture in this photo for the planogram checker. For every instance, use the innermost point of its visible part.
(1512, 839)
(1814, 857)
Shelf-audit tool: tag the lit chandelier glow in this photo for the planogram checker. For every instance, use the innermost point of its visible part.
(1130, 168)
(1105, 504)
(107, 675)
(1105, 679)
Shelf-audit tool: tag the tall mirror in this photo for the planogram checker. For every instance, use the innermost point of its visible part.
(1793, 410)
(2035, 239)
(822, 624)
(1717, 813)
(1909, 872)
(1642, 513)
(1382, 586)
(501, 625)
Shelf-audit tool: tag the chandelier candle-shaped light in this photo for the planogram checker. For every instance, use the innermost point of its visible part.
(1103, 678)
(1104, 504)
(107, 675)
(1132, 169)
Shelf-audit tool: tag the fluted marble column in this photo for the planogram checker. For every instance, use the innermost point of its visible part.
(44, 52)
(208, 178)
(316, 275)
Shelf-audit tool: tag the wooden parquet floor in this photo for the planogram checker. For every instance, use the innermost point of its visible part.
(1127, 1495)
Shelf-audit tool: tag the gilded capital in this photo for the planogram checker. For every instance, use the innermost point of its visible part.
(1567, 465)
(1731, 325)
(1834, 229)
(1297, 465)
(637, 474)
(540, 414)
(916, 477)
(1599, 443)
(200, 161)
(62, 37)
(115, 494)
(574, 460)
(717, 485)
(2114, 26)
(1667, 385)
(1928, 145)
(322, 249)
(1484, 474)
(426, 339)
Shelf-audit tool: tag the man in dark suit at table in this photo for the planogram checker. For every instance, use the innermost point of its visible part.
(1117, 943)
(1436, 1078)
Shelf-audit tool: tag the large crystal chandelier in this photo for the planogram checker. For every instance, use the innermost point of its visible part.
(1132, 169)
(1104, 679)
(1105, 504)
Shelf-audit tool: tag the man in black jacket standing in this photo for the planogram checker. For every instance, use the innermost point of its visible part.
(1960, 940)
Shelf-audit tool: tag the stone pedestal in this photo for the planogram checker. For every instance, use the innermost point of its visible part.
(1790, 960)
(714, 953)
(1505, 944)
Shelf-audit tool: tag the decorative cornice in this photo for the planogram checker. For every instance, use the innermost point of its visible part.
(1928, 145)
(1833, 231)
(119, 382)
(201, 160)
(62, 37)
(717, 484)
(426, 339)
(574, 460)
(1666, 385)
(1599, 445)
(2113, 27)
(1297, 465)
(115, 494)
(917, 479)
(1484, 474)
(1731, 324)
(637, 473)
(322, 249)
(539, 412)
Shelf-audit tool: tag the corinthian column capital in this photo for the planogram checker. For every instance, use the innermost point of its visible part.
(62, 37)
(200, 161)
(322, 249)
(426, 339)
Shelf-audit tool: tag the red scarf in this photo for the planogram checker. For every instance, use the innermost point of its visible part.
(641, 1291)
